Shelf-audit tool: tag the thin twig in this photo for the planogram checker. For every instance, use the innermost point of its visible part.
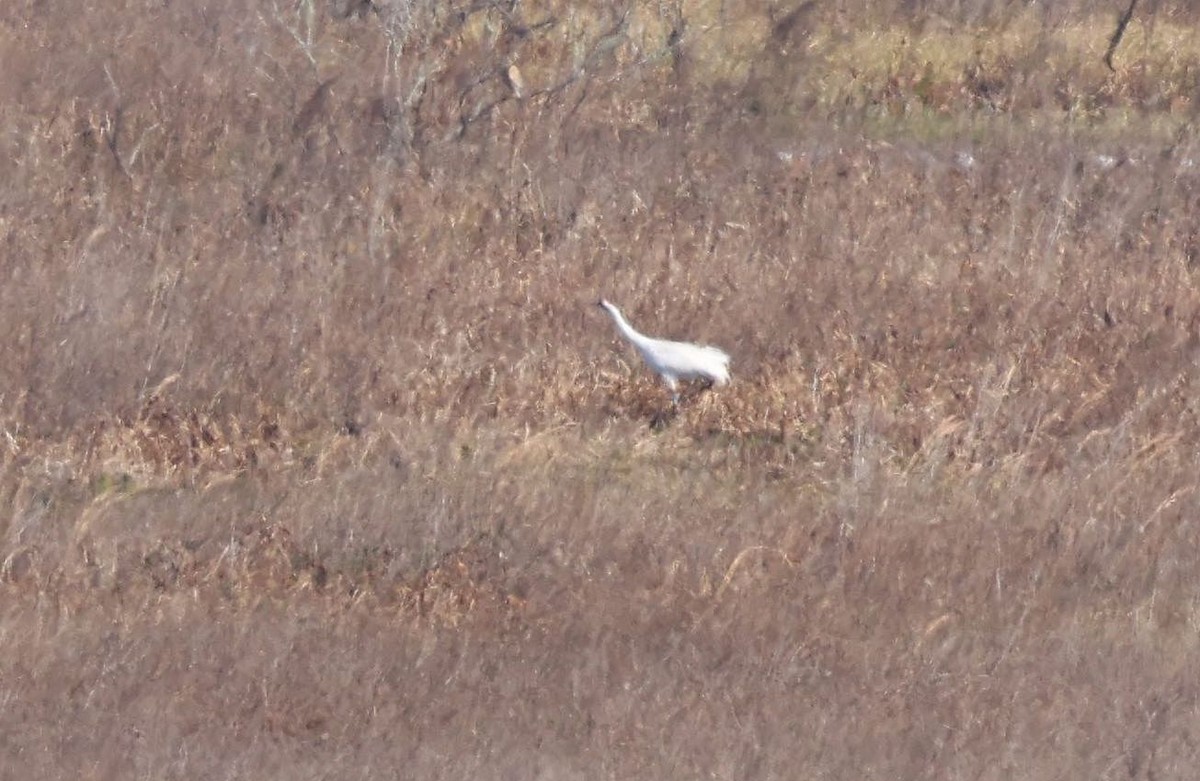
(1119, 33)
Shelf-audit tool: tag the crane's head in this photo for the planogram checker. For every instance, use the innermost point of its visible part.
(605, 305)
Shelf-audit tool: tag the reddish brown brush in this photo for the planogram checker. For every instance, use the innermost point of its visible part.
(315, 465)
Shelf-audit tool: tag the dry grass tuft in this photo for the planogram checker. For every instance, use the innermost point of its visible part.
(318, 461)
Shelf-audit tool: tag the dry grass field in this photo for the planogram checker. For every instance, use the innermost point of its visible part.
(317, 461)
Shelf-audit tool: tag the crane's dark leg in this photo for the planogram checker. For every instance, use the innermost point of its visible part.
(662, 418)
(673, 384)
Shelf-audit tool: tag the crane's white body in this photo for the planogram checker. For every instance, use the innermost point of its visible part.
(674, 361)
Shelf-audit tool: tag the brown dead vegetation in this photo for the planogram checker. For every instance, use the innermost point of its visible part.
(318, 462)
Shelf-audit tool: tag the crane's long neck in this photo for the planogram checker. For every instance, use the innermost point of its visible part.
(624, 327)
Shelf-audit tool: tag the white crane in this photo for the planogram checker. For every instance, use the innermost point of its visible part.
(674, 361)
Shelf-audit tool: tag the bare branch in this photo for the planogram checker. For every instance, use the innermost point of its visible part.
(1118, 33)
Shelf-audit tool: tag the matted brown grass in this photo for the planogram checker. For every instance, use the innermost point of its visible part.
(318, 461)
